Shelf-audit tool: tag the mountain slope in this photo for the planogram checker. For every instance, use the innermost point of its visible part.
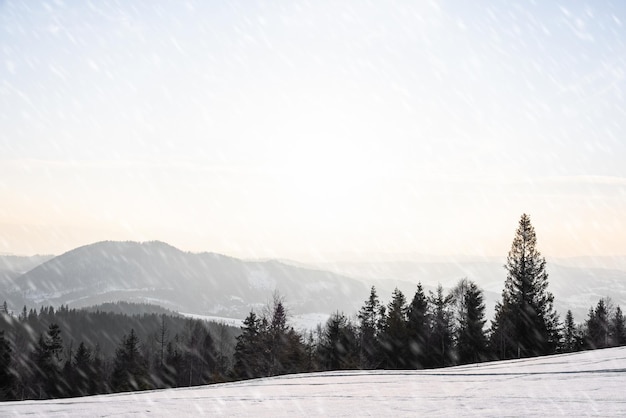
(203, 283)
(588, 383)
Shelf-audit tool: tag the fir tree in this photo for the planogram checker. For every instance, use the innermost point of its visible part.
(618, 329)
(471, 339)
(337, 348)
(130, 370)
(370, 321)
(598, 326)
(441, 329)
(526, 323)
(418, 330)
(569, 333)
(48, 357)
(394, 335)
(247, 356)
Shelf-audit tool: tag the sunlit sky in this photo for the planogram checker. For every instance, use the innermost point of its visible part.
(313, 129)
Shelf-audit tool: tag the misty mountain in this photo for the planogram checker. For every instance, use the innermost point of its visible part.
(155, 272)
(12, 266)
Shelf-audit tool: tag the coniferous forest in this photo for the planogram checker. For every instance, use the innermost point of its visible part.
(55, 353)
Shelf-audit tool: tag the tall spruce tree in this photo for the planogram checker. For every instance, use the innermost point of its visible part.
(525, 323)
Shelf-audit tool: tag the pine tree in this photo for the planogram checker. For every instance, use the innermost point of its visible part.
(441, 329)
(394, 336)
(247, 356)
(370, 321)
(618, 328)
(471, 339)
(337, 348)
(418, 330)
(569, 333)
(526, 323)
(48, 358)
(598, 326)
(83, 372)
(130, 370)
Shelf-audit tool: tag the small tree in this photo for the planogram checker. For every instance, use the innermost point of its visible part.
(569, 334)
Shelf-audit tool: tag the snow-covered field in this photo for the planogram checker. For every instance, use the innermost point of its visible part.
(582, 384)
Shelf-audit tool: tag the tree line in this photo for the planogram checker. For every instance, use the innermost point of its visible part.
(73, 352)
(431, 330)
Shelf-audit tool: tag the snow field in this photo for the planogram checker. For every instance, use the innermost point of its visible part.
(591, 383)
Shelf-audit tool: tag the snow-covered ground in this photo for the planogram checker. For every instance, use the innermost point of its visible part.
(582, 384)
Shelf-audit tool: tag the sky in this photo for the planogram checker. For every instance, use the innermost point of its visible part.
(321, 129)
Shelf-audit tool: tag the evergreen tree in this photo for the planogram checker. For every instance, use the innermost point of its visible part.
(598, 326)
(83, 371)
(130, 369)
(394, 335)
(618, 328)
(526, 323)
(247, 355)
(441, 348)
(48, 358)
(6, 375)
(337, 348)
(370, 322)
(570, 343)
(471, 339)
(418, 330)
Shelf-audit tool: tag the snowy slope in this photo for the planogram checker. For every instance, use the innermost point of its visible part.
(583, 384)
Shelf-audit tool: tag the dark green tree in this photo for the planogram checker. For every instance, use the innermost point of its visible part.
(370, 321)
(130, 371)
(471, 339)
(598, 326)
(418, 330)
(394, 334)
(338, 344)
(247, 350)
(570, 338)
(618, 329)
(48, 359)
(526, 323)
(441, 348)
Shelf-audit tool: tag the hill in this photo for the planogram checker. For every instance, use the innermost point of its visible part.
(155, 272)
(587, 383)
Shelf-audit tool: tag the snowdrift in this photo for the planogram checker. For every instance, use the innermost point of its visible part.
(580, 384)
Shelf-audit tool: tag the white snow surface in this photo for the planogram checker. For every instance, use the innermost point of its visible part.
(583, 384)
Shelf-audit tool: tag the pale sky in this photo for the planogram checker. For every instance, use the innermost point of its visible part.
(311, 129)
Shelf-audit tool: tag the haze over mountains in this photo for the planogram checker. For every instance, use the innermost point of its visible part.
(217, 285)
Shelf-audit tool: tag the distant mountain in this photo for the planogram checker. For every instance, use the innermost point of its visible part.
(12, 266)
(155, 272)
(219, 286)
